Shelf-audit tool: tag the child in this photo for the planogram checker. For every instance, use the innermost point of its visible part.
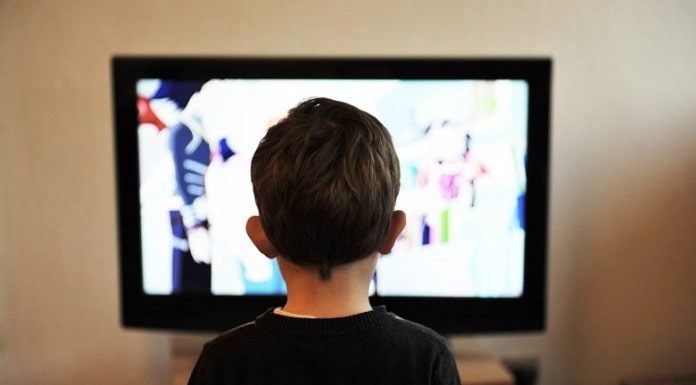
(325, 181)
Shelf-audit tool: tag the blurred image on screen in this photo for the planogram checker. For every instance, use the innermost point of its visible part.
(462, 147)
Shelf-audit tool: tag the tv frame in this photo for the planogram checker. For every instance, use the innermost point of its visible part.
(217, 313)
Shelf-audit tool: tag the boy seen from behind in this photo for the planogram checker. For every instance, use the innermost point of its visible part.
(325, 179)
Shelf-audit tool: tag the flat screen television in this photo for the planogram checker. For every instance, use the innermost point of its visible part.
(473, 140)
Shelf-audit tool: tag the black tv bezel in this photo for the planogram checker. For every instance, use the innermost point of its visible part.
(216, 313)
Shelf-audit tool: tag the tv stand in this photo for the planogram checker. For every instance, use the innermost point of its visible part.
(477, 366)
(481, 370)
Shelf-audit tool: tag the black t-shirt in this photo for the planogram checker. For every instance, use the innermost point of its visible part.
(375, 347)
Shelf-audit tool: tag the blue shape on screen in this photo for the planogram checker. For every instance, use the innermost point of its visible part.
(426, 233)
(225, 149)
(178, 91)
(521, 200)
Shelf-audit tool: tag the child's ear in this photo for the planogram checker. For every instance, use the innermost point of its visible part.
(396, 225)
(258, 237)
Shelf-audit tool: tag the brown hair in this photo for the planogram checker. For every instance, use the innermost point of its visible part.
(325, 179)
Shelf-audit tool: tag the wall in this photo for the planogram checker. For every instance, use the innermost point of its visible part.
(3, 203)
(622, 246)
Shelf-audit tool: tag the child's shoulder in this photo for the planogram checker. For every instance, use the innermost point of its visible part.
(383, 328)
(245, 334)
(418, 334)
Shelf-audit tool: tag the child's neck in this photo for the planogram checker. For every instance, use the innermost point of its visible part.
(345, 293)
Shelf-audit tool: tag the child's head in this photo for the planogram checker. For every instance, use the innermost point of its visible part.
(325, 181)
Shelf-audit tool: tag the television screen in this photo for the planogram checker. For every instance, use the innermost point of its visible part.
(472, 138)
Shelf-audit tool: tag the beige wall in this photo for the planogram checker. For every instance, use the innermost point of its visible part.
(623, 196)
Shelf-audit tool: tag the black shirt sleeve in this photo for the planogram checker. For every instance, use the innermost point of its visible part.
(446, 372)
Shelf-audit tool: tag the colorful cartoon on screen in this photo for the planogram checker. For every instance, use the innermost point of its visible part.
(462, 147)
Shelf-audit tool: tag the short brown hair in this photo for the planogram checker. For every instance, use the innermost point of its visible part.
(325, 179)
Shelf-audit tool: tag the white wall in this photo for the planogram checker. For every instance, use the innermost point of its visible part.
(623, 208)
